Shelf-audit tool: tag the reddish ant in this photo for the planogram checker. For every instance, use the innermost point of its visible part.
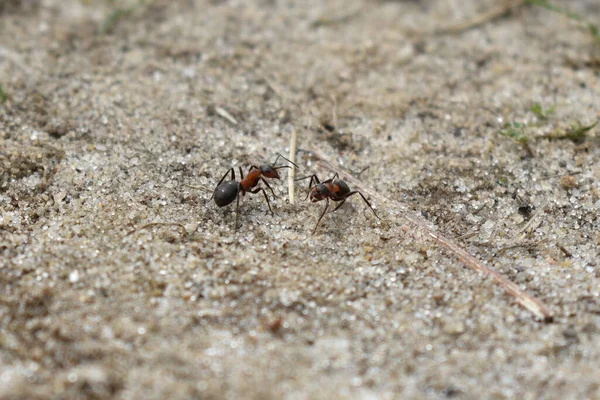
(227, 191)
(333, 189)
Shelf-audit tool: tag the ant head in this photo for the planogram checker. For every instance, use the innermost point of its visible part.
(269, 171)
(318, 192)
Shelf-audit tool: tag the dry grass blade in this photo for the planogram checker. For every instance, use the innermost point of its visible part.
(496, 12)
(527, 301)
(292, 171)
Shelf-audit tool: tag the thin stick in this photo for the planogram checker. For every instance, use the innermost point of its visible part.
(153, 224)
(480, 19)
(335, 20)
(530, 244)
(527, 301)
(292, 171)
(334, 113)
(224, 114)
(467, 235)
(16, 59)
(197, 187)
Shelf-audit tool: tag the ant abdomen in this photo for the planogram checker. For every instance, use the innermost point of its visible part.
(226, 193)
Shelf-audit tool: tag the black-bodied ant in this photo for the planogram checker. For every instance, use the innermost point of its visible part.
(226, 192)
(333, 189)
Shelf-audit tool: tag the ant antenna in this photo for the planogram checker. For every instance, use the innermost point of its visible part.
(283, 166)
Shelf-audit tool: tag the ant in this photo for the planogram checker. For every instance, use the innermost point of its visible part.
(333, 189)
(227, 191)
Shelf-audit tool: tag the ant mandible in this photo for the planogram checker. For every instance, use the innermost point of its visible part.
(333, 189)
(227, 191)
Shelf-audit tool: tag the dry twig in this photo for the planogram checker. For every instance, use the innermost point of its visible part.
(527, 301)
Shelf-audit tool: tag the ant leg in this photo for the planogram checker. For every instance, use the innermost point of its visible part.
(321, 217)
(312, 177)
(339, 205)
(365, 199)
(269, 186)
(310, 184)
(369, 204)
(316, 179)
(225, 176)
(237, 211)
(241, 173)
(266, 197)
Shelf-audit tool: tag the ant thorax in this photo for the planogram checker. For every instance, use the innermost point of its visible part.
(340, 187)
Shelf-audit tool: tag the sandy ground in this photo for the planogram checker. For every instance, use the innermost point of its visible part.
(112, 110)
